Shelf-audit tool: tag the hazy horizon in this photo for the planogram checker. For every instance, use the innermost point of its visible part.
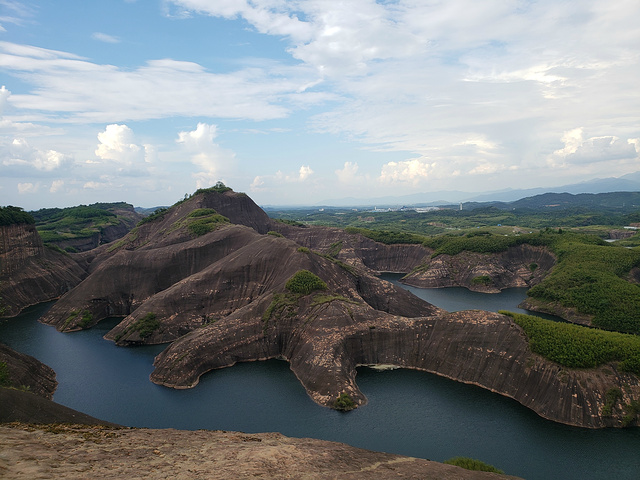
(298, 102)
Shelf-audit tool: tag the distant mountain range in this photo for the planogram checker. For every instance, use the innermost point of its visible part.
(626, 183)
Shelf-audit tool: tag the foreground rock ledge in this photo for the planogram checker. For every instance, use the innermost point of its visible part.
(75, 452)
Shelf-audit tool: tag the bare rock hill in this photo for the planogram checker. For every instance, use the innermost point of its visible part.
(80, 452)
(207, 278)
(31, 273)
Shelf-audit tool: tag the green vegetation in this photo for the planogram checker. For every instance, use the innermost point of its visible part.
(344, 403)
(481, 280)
(575, 346)
(15, 216)
(387, 236)
(146, 325)
(86, 317)
(202, 212)
(83, 221)
(334, 249)
(304, 250)
(157, 215)
(471, 464)
(206, 224)
(304, 282)
(590, 278)
(275, 234)
(5, 377)
(219, 187)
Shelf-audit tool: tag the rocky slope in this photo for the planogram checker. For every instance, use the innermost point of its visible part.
(521, 266)
(80, 452)
(224, 297)
(27, 373)
(31, 273)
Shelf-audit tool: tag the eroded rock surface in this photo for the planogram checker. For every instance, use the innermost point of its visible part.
(31, 273)
(80, 452)
(25, 372)
(222, 298)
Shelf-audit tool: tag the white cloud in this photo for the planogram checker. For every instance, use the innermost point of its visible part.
(4, 96)
(348, 173)
(82, 91)
(408, 171)
(21, 155)
(27, 187)
(56, 186)
(578, 150)
(106, 38)
(212, 160)
(117, 145)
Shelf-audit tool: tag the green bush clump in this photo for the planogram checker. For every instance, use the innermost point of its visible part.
(344, 403)
(10, 215)
(5, 378)
(387, 236)
(207, 224)
(575, 346)
(472, 464)
(202, 212)
(275, 234)
(304, 250)
(157, 215)
(481, 280)
(589, 278)
(146, 325)
(304, 282)
(85, 318)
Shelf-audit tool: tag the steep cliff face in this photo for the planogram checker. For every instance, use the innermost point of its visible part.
(31, 273)
(521, 266)
(24, 371)
(324, 345)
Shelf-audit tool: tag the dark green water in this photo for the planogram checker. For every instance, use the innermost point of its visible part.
(409, 412)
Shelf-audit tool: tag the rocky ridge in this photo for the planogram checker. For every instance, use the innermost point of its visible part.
(31, 273)
(80, 452)
(223, 297)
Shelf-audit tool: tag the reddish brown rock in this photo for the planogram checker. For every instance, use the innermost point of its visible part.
(31, 273)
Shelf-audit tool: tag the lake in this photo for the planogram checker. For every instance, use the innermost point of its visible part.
(409, 412)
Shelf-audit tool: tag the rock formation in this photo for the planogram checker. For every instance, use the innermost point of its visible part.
(79, 452)
(25, 372)
(224, 297)
(31, 273)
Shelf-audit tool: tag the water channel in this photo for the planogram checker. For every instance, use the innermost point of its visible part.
(411, 413)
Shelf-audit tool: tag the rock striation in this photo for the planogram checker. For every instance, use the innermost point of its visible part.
(31, 273)
(79, 452)
(25, 372)
(224, 297)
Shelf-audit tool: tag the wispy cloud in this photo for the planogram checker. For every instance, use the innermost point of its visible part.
(104, 37)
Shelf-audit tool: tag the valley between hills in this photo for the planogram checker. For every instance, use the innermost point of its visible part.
(220, 282)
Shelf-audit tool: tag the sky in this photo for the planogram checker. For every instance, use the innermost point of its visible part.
(296, 102)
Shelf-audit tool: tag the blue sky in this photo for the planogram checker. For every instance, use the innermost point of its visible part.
(295, 102)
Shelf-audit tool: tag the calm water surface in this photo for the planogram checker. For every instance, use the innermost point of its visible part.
(411, 413)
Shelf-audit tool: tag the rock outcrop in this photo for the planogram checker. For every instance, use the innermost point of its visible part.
(79, 452)
(224, 297)
(31, 273)
(25, 372)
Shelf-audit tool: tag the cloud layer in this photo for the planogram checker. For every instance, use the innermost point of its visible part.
(401, 95)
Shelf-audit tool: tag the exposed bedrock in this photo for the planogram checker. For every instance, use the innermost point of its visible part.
(127, 278)
(325, 343)
(25, 372)
(246, 275)
(31, 273)
(520, 266)
(356, 249)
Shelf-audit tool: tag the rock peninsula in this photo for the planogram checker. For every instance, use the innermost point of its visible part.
(212, 278)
